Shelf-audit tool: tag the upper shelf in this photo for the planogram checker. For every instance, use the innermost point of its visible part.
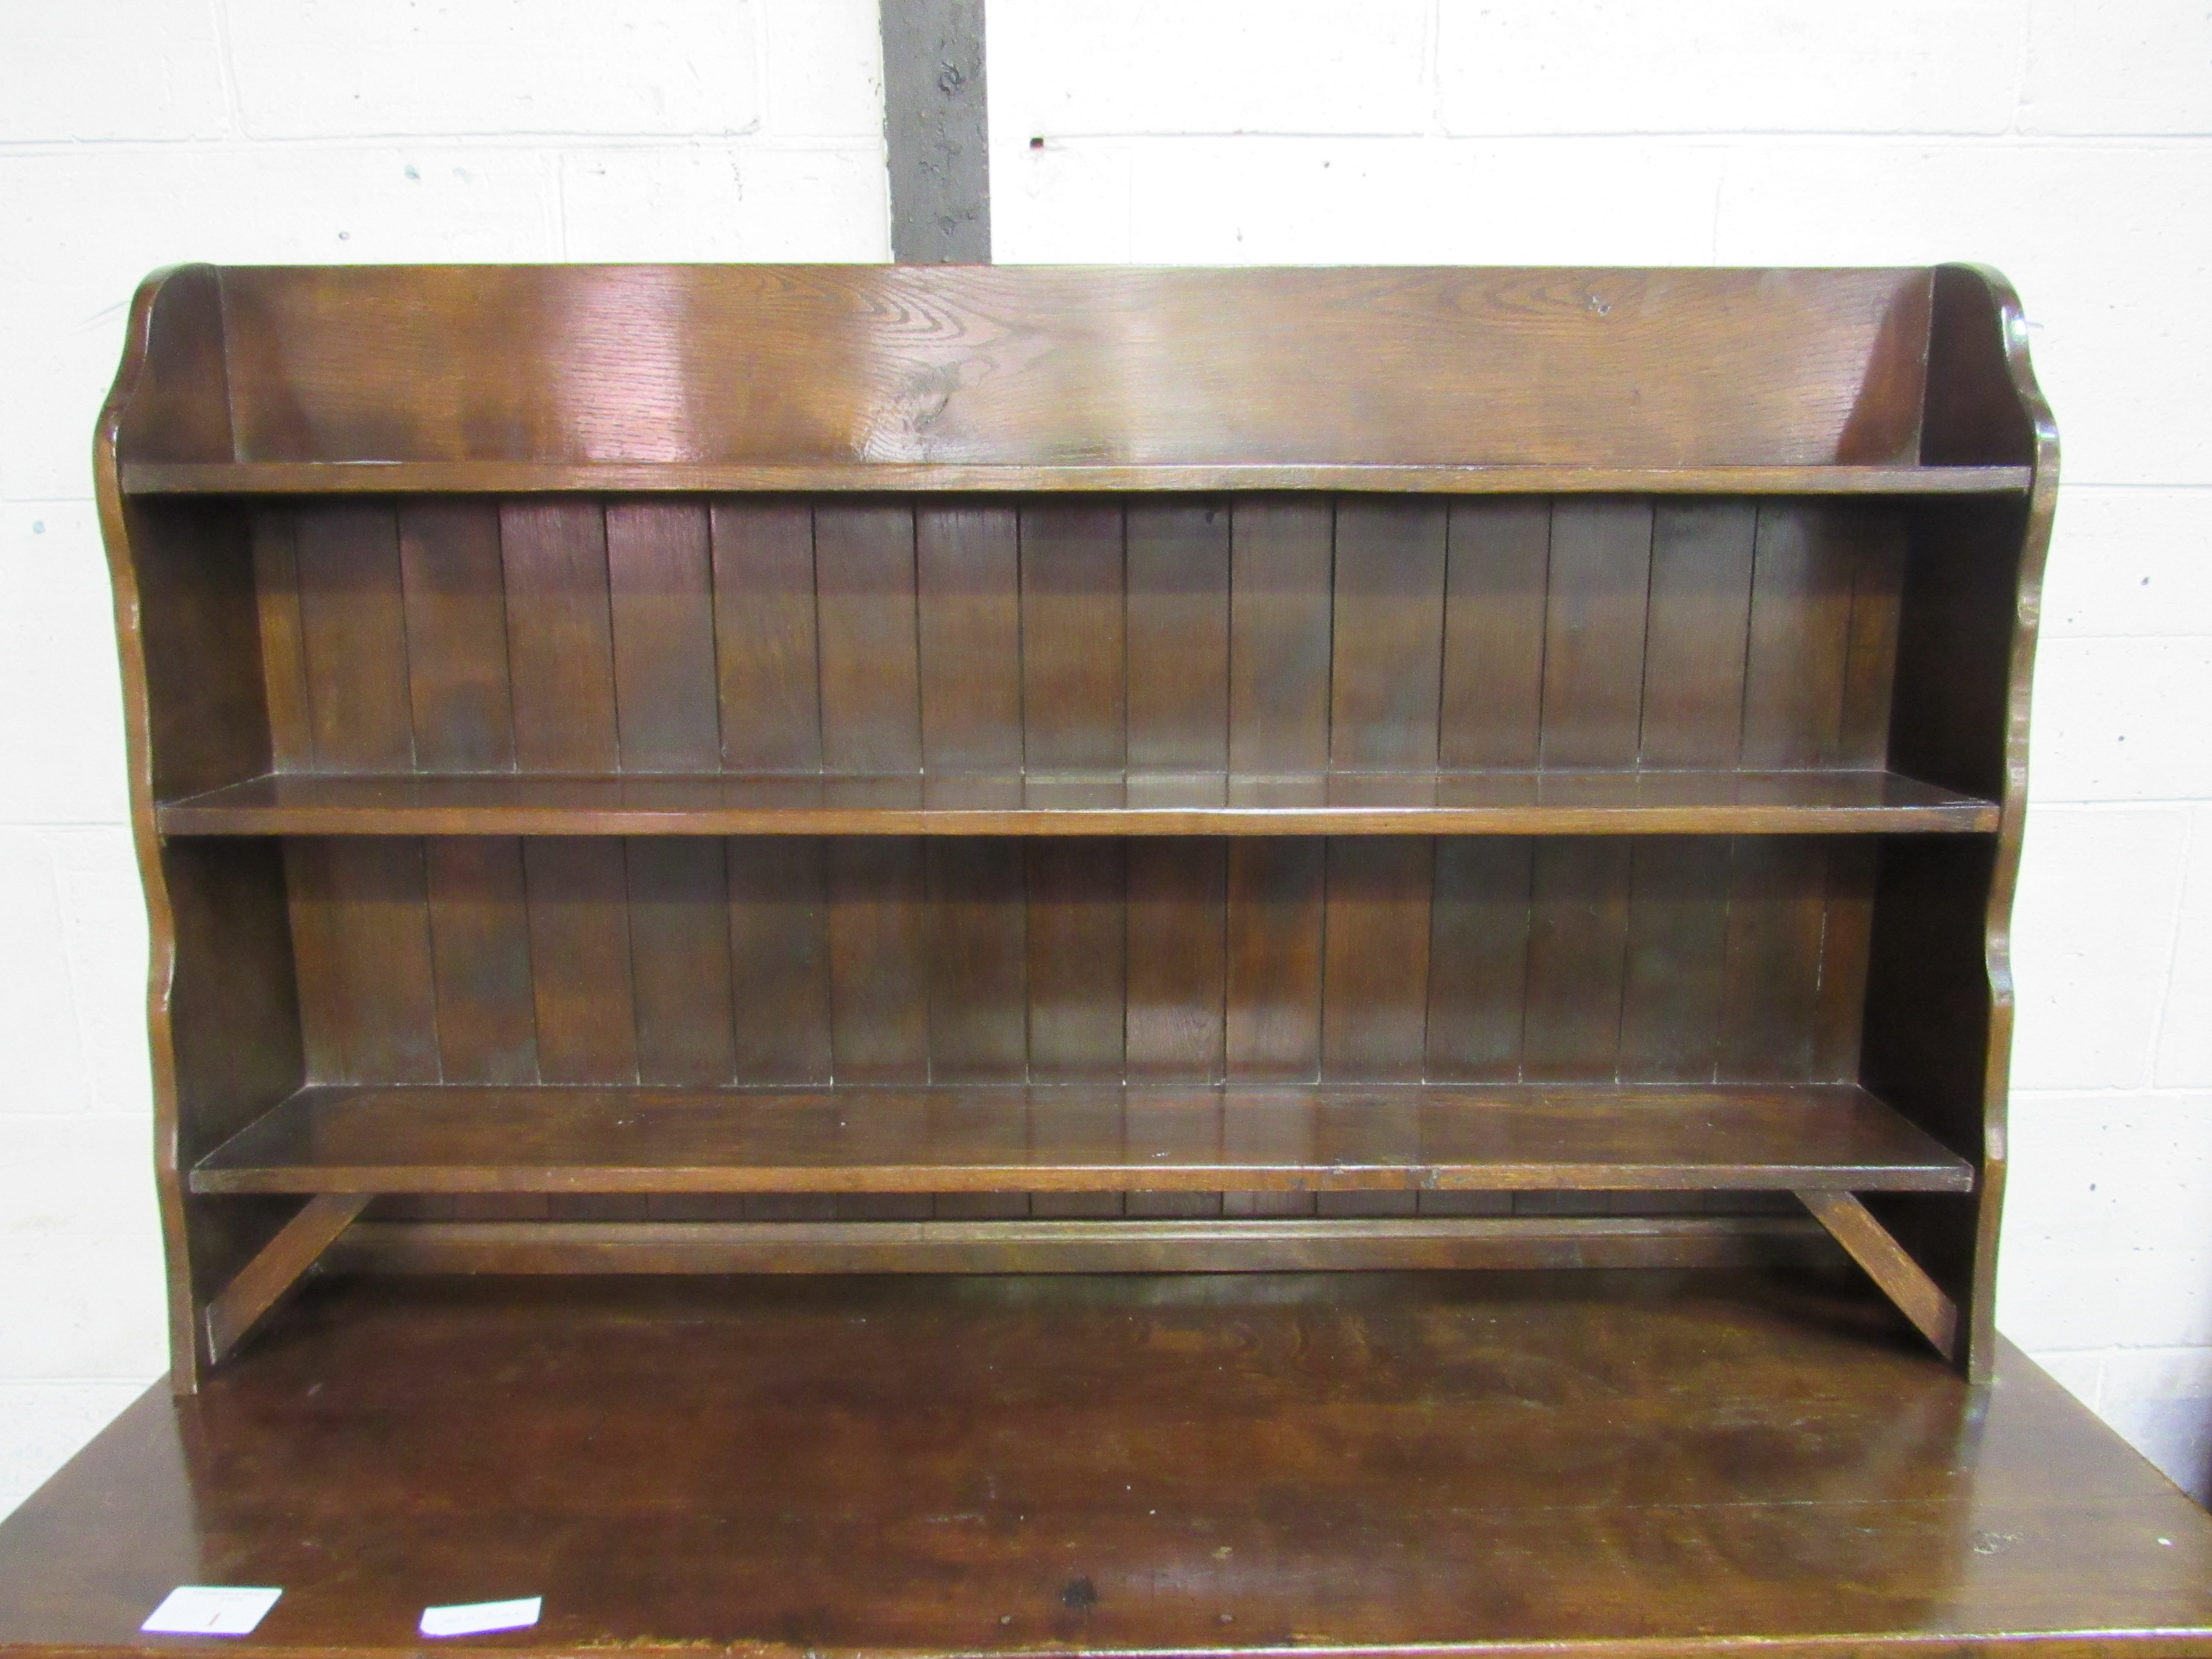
(630, 478)
(1116, 803)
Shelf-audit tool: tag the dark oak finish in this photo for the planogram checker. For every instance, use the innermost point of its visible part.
(757, 747)
(617, 478)
(1564, 802)
(1663, 1465)
(1073, 1138)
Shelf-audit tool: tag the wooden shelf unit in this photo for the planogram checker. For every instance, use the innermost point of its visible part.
(1057, 769)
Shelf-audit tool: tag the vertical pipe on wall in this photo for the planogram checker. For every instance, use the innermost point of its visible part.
(936, 130)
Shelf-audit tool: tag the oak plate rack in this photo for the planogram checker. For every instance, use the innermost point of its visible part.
(802, 769)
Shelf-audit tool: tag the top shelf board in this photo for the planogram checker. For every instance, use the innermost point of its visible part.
(1626, 802)
(631, 477)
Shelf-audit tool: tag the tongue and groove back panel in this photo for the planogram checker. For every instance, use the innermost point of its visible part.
(1282, 634)
(1274, 635)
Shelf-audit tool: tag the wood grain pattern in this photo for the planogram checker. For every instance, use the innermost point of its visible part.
(879, 961)
(1577, 941)
(1620, 802)
(1695, 634)
(1375, 958)
(1781, 1420)
(666, 698)
(969, 578)
(480, 941)
(1073, 691)
(1600, 578)
(1077, 961)
(456, 608)
(1274, 953)
(1365, 1138)
(1177, 618)
(679, 953)
(1499, 574)
(1281, 555)
(560, 645)
(779, 959)
(872, 478)
(978, 962)
(273, 531)
(579, 955)
(864, 576)
(765, 625)
(354, 630)
(1178, 896)
(883, 365)
(1387, 655)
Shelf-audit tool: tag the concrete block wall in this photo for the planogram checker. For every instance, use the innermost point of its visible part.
(138, 133)
(2065, 141)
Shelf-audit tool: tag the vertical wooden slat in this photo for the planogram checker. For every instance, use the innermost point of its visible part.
(1387, 658)
(1478, 958)
(1776, 898)
(666, 693)
(560, 645)
(1846, 947)
(978, 973)
(1281, 553)
(1600, 574)
(779, 957)
(1375, 981)
(1578, 942)
(456, 601)
(1077, 932)
(1670, 1016)
(764, 634)
(1800, 619)
(283, 649)
(353, 627)
(1693, 655)
(679, 946)
(480, 938)
(1178, 895)
(1073, 690)
(1275, 959)
(579, 959)
(967, 570)
(1870, 659)
(381, 911)
(1178, 635)
(878, 960)
(1493, 667)
(318, 956)
(871, 686)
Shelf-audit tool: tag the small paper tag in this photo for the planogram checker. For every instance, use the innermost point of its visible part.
(474, 1618)
(209, 1610)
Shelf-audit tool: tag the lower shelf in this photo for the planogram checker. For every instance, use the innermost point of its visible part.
(451, 1138)
(1270, 1245)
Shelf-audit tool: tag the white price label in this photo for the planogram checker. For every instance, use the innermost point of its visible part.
(474, 1618)
(210, 1610)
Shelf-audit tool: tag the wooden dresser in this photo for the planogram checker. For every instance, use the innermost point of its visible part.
(1159, 800)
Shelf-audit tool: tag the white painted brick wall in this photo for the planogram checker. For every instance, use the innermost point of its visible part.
(2065, 141)
(137, 133)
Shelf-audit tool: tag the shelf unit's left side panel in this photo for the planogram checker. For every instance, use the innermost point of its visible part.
(222, 1009)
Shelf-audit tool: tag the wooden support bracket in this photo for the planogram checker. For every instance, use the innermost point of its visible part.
(1902, 1279)
(262, 1282)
